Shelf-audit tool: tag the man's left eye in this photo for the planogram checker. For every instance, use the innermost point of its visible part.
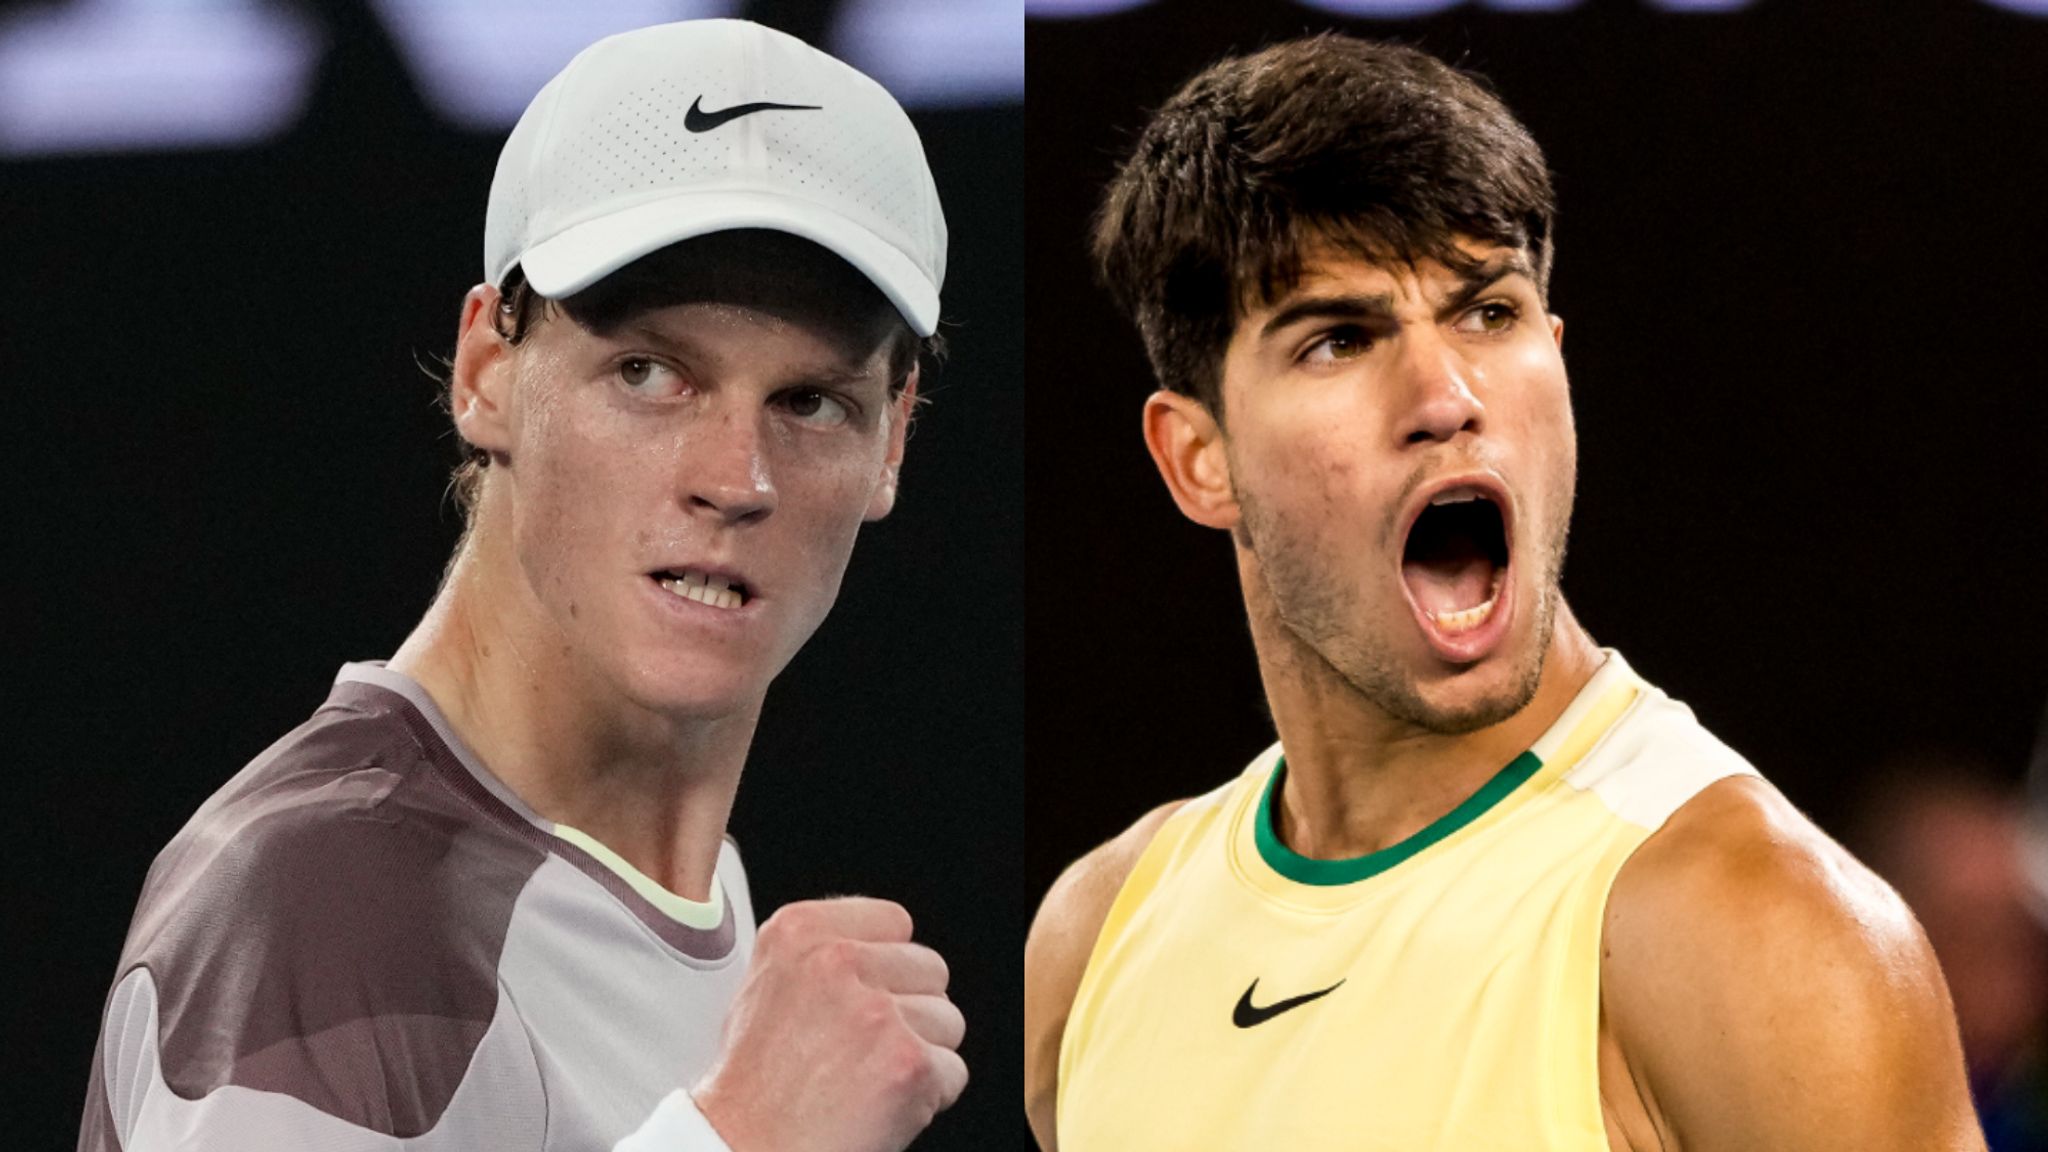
(815, 406)
(1495, 317)
(645, 377)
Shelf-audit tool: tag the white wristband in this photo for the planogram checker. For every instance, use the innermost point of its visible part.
(675, 1125)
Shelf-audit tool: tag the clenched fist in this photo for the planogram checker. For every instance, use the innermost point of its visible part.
(842, 1039)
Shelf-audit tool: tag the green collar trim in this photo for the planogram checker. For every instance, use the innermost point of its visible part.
(1303, 870)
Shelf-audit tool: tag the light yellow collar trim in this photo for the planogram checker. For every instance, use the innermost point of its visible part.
(701, 914)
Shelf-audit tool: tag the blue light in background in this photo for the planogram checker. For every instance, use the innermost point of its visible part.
(1410, 9)
(933, 53)
(116, 75)
(144, 75)
(479, 62)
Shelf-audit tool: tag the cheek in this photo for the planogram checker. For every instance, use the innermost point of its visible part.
(1534, 373)
(1552, 419)
(572, 478)
(1315, 491)
(1326, 456)
(1314, 481)
(824, 499)
(1548, 440)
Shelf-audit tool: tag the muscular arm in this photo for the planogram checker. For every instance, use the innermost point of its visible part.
(1763, 990)
(1056, 954)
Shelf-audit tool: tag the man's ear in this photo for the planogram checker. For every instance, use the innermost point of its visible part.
(480, 387)
(1557, 330)
(902, 406)
(1186, 444)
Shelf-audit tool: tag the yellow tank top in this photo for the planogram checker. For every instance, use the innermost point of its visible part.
(1440, 994)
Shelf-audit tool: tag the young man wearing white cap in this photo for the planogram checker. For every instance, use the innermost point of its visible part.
(483, 897)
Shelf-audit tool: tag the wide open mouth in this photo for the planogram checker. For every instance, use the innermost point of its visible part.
(1456, 559)
(718, 591)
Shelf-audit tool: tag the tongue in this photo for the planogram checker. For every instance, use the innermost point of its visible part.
(1449, 583)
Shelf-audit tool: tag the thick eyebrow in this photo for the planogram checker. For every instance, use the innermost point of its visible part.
(1348, 306)
(1380, 305)
(1486, 275)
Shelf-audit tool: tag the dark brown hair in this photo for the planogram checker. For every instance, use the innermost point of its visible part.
(1377, 149)
(772, 270)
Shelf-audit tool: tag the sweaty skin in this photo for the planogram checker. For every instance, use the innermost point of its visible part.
(753, 441)
(1759, 987)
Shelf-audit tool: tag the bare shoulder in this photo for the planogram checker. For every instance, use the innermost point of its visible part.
(1076, 904)
(1056, 954)
(1766, 989)
(1740, 855)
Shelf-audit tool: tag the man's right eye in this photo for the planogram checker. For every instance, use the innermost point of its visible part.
(1337, 346)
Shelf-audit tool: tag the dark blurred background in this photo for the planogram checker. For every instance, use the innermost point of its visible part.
(1800, 259)
(234, 232)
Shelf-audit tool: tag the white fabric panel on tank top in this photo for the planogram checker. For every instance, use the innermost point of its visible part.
(1654, 760)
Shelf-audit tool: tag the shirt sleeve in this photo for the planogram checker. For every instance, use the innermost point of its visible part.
(674, 1126)
(499, 1104)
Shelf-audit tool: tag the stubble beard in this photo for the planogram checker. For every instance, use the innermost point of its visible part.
(1327, 619)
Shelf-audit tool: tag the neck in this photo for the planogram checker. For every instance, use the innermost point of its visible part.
(1359, 779)
(653, 788)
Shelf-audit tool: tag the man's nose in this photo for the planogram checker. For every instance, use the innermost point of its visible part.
(1441, 400)
(725, 467)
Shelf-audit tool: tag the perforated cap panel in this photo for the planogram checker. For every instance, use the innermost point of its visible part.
(664, 133)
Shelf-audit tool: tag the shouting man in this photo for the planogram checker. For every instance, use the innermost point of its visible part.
(483, 898)
(1490, 889)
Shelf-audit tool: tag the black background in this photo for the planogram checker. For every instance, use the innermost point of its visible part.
(1800, 260)
(226, 479)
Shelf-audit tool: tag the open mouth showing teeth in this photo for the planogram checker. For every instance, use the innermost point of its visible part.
(716, 591)
(1456, 555)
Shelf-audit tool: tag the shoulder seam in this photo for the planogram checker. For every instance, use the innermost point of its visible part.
(547, 1103)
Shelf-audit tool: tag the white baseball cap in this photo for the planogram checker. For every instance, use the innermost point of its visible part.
(664, 133)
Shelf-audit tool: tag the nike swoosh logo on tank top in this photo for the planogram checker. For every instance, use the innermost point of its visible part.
(1246, 1014)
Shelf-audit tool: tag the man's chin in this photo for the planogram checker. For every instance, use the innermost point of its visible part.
(1455, 701)
(1456, 717)
(695, 692)
(1452, 700)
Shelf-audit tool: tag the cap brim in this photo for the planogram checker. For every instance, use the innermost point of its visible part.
(583, 254)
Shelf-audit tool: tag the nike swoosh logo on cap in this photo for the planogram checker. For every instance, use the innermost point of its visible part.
(1246, 1015)
(698, 120)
